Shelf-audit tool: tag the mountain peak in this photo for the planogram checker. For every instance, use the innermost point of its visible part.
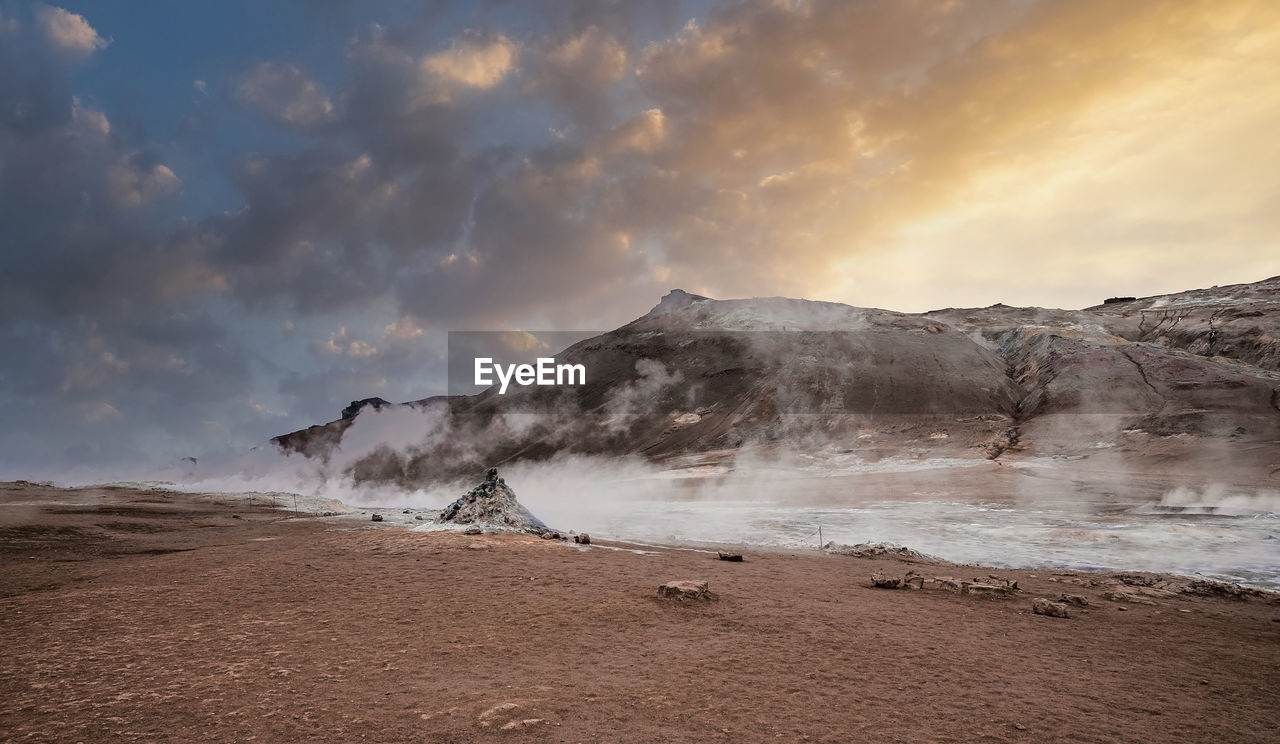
(676, 299)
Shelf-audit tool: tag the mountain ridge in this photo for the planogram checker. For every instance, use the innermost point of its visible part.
(1180, 380)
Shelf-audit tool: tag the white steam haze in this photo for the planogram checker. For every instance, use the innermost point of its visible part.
(1046, 513)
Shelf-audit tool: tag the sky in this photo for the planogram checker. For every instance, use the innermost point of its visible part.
(224, 221)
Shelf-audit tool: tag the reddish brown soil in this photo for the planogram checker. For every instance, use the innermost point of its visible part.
(271, 629)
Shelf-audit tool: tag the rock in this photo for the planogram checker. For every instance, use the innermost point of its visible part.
(684, 590)
(494, 503)
(419, 517)
(1042, 606)
(472, 531)
(732, 557)
(583, 539)
(1117, 595)
(948, 583)
(880, 550)
(913, 580)
(357, 406)
(377, 517)
(1075, 600)
(880, 581)
(991, 590)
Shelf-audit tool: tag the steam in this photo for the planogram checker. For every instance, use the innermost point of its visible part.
(1219, 498)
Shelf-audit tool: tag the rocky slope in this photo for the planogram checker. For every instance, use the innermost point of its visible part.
(1181, 382)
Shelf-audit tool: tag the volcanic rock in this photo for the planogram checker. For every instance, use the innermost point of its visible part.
(684, 590)
(1042, 606)
(880, 581)
(493, 503)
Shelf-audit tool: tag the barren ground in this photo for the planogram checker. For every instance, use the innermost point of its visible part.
(150, 616)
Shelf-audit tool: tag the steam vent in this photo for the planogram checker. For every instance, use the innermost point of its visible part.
(493, 503)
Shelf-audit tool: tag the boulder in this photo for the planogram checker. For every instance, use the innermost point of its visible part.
(583, 539)
(1042, 606)
(1074, 600)
(684, 590)
(377, 518)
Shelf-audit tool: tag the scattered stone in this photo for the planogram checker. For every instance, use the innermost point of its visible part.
(880, 581)
(583, 539)
(1019, 727)
(377, 517)
(948, 583)
(407, 511)
(1074, 600)
(472, 531)
(1042, 606)
(684, 590)
(1127, 597)
(880, 550)
(990, 590)
(733, 557)
(486, 718)
(1122, 609)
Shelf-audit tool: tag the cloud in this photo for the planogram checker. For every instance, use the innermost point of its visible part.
(470, 63)
(285, 94)
(562, 174)
(69, 34)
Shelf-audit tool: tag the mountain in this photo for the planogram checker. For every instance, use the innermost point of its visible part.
(1182, 383)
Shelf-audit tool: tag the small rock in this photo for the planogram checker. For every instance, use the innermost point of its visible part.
(1074, 600)
(419, 517)
(377, 517)
(684, 590)
(880, 581)
(583, 539)
(1019, 727)
(1127, 597)
(732, 557)
(472, 531)
(1122, 609)
(1042, 606)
